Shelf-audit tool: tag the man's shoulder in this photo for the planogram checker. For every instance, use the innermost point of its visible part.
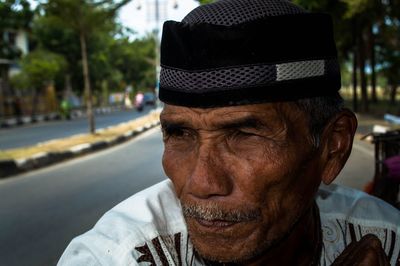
(153, 209)
(125, 232)
(355, 206)
(348, 214)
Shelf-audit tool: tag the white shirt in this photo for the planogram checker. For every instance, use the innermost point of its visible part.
(149, 229)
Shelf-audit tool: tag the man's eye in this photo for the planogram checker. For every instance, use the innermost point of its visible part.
(176, 132)
(243, 134)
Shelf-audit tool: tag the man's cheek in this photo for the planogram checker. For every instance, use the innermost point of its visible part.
(176, 167)
(169, 164)
(173, 156)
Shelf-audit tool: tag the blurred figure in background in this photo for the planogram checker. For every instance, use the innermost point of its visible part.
(139, 101)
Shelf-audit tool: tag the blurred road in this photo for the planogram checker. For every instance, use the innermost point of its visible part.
(40, 212)
(360, 167)
(31, 134)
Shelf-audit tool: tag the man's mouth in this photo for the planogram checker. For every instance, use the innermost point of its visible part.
(213, 219)
(222, 224)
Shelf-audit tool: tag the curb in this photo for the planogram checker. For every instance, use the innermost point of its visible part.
(10, 168)
(23, 120)
(78, 113)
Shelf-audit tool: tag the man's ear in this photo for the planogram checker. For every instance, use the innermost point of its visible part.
(337, 142)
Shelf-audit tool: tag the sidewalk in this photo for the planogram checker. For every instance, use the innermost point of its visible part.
(25, 159)
(76, 113)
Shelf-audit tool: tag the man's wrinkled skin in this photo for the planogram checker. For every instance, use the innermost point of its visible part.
(246, 177)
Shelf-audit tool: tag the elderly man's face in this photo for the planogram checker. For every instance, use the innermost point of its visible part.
(243, 174)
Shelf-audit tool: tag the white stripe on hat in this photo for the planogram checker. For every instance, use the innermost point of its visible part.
(299, 70)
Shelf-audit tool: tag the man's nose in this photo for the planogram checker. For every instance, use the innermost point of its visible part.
(209, 177)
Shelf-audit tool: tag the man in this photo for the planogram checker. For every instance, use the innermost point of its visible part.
(252, 124)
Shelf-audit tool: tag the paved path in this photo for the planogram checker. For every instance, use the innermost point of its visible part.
(360, 166)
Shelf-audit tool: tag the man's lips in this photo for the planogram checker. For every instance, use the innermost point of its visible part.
(215, 223)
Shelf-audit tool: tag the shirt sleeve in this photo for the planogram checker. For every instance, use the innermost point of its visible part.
(86, 250)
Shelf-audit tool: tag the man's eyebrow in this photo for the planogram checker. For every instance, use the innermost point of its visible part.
(173, 124)
(245, 122)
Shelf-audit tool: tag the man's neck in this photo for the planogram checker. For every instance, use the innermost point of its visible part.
(302, 246)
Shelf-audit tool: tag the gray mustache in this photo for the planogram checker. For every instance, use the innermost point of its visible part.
(212, 212)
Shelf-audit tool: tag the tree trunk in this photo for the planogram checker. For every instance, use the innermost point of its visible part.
(67, 86)
(371, 48)
(88, 91)
(393, 92)
(15, 104)
(3, 89)
(355, 80)
(363, 77)
(355, 83)
(35, 102)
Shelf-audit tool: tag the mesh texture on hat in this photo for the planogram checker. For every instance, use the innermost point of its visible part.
(302, 69)
(257, 75)
(218, 79)
(232, 12)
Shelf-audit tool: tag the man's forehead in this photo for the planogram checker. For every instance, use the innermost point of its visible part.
(222, 115)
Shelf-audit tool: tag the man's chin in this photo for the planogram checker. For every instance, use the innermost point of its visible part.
(225, 242)
(226, 252)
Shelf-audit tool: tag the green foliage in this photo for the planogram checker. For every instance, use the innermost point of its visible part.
(64, 24)
(20, 81)
(367, 9)
(389, 54)
(114, 59)
(86, 17)
(135, 60)
(15, 15)
(50, 36)
(41, 67)
(203, 2)
(366, 30)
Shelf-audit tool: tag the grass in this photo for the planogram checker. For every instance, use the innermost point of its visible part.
(59, 145)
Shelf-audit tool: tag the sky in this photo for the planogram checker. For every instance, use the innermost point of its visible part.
(139, 15)
(142, 20)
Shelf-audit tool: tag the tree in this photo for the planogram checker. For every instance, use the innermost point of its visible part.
(390, 48)
(15, 15)
(389, 55)
(203, 2)
(39, 69)
(135, 60)
(85, 18)
(357, 30)
(48, 35)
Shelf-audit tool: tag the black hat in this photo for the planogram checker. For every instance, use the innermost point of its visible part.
(235, 52)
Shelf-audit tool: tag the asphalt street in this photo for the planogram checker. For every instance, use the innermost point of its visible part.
(31, 134)
(40, 212)
(360, 166)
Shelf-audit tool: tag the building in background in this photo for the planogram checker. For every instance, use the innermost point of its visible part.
(18, 39)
